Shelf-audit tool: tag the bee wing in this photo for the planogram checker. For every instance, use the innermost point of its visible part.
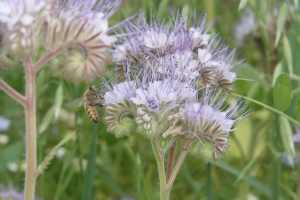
(76, 102)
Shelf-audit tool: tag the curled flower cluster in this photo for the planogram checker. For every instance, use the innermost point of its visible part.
(168, 85)
(78, 27)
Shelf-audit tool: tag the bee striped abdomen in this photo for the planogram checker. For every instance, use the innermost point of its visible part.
(92, 112)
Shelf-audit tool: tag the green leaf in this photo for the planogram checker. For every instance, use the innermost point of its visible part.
(265, 35)
(247, 168)
(252, 181)
(280, 22)
(282, 92)
(59, 96)
(288, 190)
(46, 120)
(136, 160)
(162, 9)
(66, 173)
(277, 72)
(287, 138)
(288, 54)
(49, 157)
(242, 4)
(295, 3)
(88, 183)
(11, 152)
(297, 108)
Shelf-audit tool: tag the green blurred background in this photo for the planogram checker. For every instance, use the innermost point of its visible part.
(96, 165)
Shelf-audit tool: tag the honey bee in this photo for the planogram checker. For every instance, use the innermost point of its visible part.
(90, 101)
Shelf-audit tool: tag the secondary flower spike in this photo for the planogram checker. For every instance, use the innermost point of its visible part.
(82, 26)
(75, 30)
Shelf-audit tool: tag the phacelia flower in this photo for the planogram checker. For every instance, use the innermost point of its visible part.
(163, 70)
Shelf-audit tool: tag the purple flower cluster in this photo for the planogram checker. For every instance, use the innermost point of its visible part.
(169, 80)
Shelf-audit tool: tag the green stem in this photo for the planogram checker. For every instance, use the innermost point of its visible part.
(178, 165)
(161, 170)
(30, 116)
(208, 182)
(270, 108)
(295, 91)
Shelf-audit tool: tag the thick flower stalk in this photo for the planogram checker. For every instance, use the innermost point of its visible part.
(73, 35)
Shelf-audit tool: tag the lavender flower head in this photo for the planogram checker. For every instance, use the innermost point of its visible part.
(168, 84)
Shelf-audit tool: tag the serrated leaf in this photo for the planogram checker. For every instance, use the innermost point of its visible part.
(280, 22)
(288, 54)
(277, 72)
(59, 96)
(46, 120)
(282, 92)
(287, 138)
(297, 108)
(242, 4)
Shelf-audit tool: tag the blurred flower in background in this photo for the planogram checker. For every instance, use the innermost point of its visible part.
(244, 27)
(10, 193)
(4, 124)
(295, 159)
(296, 136)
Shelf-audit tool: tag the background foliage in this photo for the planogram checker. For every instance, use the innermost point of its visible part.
(96, 165)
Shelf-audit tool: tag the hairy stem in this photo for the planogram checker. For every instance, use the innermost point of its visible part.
(161, 170)
(11, 92)
(37, 66)
(30, 116)
(171, 159)
(178, 165)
